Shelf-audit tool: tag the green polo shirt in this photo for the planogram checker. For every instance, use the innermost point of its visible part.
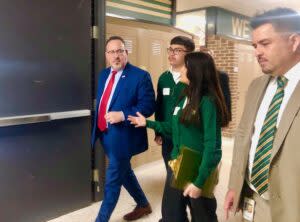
(204, 137)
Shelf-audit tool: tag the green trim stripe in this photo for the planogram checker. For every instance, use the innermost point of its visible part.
(159, 11)
(136, 15)
(169, 2)
(158, 3)
(122, 3)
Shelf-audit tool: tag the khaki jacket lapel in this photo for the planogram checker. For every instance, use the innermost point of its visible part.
(245, 131)
(287, 118)
(256, 95)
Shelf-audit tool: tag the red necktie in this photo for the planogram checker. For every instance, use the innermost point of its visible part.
(104, 101)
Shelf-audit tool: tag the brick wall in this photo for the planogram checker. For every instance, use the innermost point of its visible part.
(226, 58)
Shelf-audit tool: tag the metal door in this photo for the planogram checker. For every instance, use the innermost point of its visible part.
(45, 103)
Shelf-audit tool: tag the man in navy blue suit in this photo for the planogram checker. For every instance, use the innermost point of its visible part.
(123, 90)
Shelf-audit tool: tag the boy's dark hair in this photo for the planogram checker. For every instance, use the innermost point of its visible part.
(114, 37)
(188, 43)
(282, 19)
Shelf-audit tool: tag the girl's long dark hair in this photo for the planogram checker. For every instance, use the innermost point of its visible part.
(203, 81)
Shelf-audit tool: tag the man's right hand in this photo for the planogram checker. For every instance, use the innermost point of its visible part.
(229, 200)
(158, 140)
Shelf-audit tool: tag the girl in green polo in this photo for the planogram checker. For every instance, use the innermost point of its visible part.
(196, 123)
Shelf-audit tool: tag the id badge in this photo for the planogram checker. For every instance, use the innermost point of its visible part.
(166, 91)
(248, 209)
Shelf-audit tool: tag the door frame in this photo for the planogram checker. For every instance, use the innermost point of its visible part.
(98, 30)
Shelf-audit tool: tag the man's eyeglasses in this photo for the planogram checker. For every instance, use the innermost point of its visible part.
(118, 52)
(175, 51)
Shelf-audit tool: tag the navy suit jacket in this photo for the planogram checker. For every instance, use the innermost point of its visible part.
(134, 93)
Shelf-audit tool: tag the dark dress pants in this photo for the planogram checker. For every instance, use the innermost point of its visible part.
(118, 173)
(203, 209)
(174, 204)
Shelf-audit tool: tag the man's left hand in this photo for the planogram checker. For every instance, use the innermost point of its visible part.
(114, 117)
(192, 191)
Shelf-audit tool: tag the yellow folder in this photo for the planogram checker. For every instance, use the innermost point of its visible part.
(185, 170)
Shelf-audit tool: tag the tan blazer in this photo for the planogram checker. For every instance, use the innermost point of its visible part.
(285, 161)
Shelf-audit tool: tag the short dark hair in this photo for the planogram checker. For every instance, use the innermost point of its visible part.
(282, 19)
(114, 37)
(188, 43)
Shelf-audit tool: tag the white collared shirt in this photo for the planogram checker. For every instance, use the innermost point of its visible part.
(293, 76)
(176, 75)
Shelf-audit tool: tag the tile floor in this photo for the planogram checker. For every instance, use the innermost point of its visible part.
(152, 184)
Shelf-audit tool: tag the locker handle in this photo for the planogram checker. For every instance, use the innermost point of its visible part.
(45, 117)
(20, 120)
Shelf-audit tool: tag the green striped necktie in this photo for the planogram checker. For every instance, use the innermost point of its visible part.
(261, 164)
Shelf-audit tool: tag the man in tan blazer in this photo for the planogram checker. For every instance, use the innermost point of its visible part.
(266, 158)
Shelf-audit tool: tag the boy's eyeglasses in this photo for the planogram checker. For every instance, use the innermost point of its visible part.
(175, 51)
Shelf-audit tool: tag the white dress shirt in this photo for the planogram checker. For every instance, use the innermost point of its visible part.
(176, 75)
(293, 76)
